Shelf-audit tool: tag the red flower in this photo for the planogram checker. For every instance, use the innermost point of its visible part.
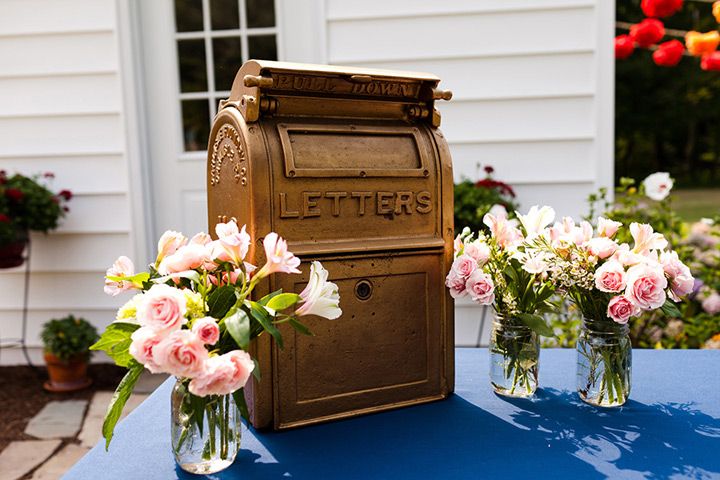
(488, 169)
(711, 62)
(14, 194)
(661, 8)
(4, 218)
(66, 194)
(648, 32)
(49, 175)
(624, 46)
(504, 188)
(669, 53)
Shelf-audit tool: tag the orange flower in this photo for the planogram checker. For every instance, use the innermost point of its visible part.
(699, 44)
(716, 11)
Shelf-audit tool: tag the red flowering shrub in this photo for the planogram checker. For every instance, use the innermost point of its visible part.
(661, 8)
(648, 32)
(669, 53)
(711, 62)
(474, 200)
(624, 46)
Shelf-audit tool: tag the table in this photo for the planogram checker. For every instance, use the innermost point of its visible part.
(669, 428)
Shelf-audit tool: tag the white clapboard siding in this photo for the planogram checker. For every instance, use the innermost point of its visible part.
(62, 110)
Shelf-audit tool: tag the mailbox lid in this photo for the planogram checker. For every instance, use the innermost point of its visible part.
(354, 186)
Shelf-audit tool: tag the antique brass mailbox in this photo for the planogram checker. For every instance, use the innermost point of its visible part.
(348, 165)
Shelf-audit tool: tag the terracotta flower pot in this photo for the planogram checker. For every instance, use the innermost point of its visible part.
(11, 254)
(66, 375)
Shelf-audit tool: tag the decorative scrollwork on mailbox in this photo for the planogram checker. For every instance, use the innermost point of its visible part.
(227, 147)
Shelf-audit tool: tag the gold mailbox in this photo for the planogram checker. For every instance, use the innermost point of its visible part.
(348, 165)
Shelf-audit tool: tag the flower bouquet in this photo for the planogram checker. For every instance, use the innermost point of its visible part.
(194, 319)
(610, 283)
(497, 270)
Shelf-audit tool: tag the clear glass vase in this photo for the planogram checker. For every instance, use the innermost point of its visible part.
(514, 358)
(205, 440)
(604, 360)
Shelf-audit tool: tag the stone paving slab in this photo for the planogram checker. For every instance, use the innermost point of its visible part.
(60, 462)
(20, 457)
(58, 419)
(91, 432)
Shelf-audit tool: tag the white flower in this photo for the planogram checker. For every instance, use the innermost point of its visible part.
(536, 264)
(128, 312)
(536, 219)
(320, 297)
(658, 185)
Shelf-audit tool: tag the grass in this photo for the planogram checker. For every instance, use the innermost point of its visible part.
(692, 205)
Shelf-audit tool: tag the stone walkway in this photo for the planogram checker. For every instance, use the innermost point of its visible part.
(65, 430)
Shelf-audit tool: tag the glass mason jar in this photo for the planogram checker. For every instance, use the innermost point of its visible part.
(210, 444)
(514, 358)
(604, 358)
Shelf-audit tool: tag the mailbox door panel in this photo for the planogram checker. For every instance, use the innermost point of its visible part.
(383, 352)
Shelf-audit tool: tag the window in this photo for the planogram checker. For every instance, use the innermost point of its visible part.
(214, 38)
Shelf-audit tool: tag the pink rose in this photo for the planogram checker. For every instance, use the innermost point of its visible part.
(681, 280)
(481, 287)
(456, 284)
(607, 228)
(478, 251)
(162, 308)
(232, 244)
(144, 340)
(189, 257)
(646, 286)
(181, 354)
(601, 247)
(620, 309)
(711, 304)
(610, 277)
(279, 259)
(123, 267)
(464, 266)
(223, 374)
(169, 242)
(207, 330)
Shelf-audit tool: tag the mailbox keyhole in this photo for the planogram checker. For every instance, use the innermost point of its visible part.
(363, 289)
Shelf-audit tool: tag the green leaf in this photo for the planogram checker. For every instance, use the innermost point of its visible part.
(536, 323)
(264, 300)
(238, 325)
(239, 397)
(299, 327)
(256, 371)
(220, 301)
(137, 279)
(283, 301)
(115, 341)
(197, 406)
(263, 318)
(670, 309)
(122, 393)
(190, 275)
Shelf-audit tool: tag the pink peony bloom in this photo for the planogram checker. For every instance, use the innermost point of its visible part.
(607, 228)
(207, 330)
(646, 239)
(232, 244)
(123, 267)
(502, 230)
(181, 354)
(646, 286)
(169, 242)
(223, 374)
(188, 257)
(620, 309)
(481, 288)
(681, 280)
(478, 251)
(162, 308)
(601, 247)
(279, 259)
(610, 277)
(711, 304)
(144, 340)
(319, 296)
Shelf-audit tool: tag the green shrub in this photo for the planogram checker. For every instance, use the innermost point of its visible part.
(68, 337)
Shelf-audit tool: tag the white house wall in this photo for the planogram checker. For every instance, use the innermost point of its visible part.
(62, 110)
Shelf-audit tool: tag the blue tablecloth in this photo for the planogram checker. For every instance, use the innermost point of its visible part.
(669, 428)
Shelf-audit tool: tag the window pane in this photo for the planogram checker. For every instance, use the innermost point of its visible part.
(224, 14)
(262, 47)
(191, 59)
(188, 16)
(260, 13)
(227, 55)
(196, 124)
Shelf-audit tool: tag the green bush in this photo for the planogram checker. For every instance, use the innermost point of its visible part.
(474, 199)
(68, 337)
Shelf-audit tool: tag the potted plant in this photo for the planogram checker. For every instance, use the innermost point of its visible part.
(67, 344)
(26, 203)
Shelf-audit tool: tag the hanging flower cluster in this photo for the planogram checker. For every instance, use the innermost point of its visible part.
(650, 31)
